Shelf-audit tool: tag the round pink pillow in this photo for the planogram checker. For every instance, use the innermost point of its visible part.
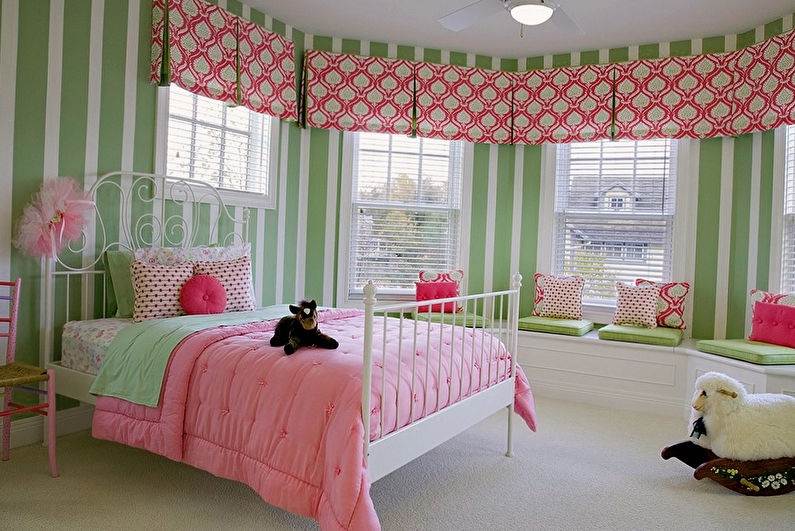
(203, 294)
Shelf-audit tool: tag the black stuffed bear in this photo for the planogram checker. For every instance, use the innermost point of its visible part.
(300, 330)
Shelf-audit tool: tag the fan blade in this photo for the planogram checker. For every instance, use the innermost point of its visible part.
(466, 16)
(565, 22)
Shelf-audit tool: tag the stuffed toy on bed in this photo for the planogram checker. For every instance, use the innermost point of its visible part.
(301, 330)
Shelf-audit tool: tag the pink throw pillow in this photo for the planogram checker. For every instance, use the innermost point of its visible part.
(671, 302)
(773, 323)
(636, 305)
(203, 294)
(427, 291)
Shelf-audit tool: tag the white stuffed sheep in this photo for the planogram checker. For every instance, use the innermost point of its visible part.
(743, 426)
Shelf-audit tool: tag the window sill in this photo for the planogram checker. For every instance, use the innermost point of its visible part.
(237, 198)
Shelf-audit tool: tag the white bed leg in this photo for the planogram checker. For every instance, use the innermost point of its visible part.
(509, 453)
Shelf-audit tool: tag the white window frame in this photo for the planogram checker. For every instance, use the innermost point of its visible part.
(683, 263)
(777, 218)
(238, 198)
(355, 300)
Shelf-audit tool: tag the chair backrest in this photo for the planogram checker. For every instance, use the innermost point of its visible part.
(11, 321)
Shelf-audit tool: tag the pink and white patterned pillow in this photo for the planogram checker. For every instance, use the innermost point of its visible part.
(636, 305)
(157, 289)
(235, 277)
(540, 280)
(562, 297)
(758, 295)
(453, 275)
(670, 303)
(176, 255)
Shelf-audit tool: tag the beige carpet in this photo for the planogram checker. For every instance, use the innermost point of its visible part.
(587, 468)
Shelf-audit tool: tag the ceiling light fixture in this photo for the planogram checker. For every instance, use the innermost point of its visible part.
(531, 12)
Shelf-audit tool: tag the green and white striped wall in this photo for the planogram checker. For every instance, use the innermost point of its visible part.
(76, 101)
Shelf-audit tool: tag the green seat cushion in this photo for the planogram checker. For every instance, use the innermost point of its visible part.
(471, 319)
(567, 327)
(750, 351)
(661, 335)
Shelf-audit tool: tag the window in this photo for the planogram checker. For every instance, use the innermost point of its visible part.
(405, 210)
(788, 255)
(614, 213)
(225, 146)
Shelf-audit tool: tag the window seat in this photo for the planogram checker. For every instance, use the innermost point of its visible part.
(642, 377)
(667, 337)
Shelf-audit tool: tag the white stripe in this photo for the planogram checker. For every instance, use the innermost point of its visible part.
(280, 226)
(9, 36)
(547, 62)
(788, 22)
(665, 49)
(246, 13)
(215, 220)
(575, 58)
(470, 59)
(604, 56)
(364, 48)
(491, 214)
(268, 22)
(303, 200)
(331, 217)
(730, 43)
(336, 45)
(518, 190)
(777, 209)
(391, 50)
(523, 64)
(696, 46)
(130, 94)
(724, 236)
(759, 34)
(466, 209)
(222, 4)
(92, 133)
(52, 124)
(419, 53)
(753, 224)
(445, 57)
(632, 53)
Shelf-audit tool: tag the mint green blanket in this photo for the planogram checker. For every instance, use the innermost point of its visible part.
(135, 363)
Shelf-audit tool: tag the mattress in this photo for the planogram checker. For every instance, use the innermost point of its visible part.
(84, 343)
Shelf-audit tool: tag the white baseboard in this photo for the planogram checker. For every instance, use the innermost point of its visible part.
(31, 430)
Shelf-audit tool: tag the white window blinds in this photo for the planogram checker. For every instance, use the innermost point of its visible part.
(788, 257)
(226, 147)
(614, 213)
(405, 210)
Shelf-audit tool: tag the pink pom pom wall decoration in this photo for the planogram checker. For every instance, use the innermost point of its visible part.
(55, 216)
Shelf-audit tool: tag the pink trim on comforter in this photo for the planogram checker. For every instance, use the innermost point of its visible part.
(290, 426)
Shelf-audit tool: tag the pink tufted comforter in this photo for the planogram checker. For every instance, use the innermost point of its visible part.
(290, 426)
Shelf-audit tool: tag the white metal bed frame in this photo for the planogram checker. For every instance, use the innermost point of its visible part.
(155, 227)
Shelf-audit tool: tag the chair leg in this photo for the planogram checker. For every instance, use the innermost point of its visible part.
(51, 410)
(6, 423)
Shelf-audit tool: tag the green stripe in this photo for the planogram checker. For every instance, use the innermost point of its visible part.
(648, 51)
(503, 221)
(379, 49)
(351, 46)
(590, 57)
(704, 287)
(28, 163)
(561, 60)
(619, 55)
(774, 28)
(741, 215)
(477, 233)
(765, 211)
(681, 48)
(746, 39)
(316, 214)
(458, 58)
(531, 197)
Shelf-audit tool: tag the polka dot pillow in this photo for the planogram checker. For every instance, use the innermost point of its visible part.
(235, 277)
(562, 297)
(670, 303)
(157, 288)
(636, 305)
(541, 285)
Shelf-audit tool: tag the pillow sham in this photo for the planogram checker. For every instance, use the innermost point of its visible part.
(175, 255)
(670, 303)
(427, 291)
(773, 323)
(758, 295)
(121, 293)
(561, 297)
(235, 277)
(157, 289)
(636, 305)
(541, 281)
(203, 294)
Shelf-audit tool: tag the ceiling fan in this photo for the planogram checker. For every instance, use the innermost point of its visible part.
(525, 12)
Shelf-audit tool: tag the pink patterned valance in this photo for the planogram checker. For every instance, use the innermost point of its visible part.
(763, 91)
(563, 105)
(267, 72)
(460, 103)
(354, 93)
(674, 97)
(201, 47)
